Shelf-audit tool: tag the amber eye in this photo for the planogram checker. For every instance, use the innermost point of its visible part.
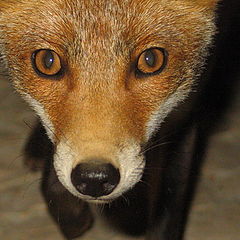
(47, 62)
(151, 61)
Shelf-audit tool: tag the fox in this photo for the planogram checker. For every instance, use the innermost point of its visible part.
(114, 86)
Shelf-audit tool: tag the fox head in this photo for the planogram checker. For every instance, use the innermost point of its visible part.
(102, 76)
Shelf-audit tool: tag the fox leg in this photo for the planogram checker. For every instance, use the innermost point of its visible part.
(179, 182)
(71, 214)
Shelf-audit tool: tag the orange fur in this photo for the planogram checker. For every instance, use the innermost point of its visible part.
(182, 30)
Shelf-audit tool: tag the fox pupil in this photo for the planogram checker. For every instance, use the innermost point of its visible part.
(150, 58)
(48, 60)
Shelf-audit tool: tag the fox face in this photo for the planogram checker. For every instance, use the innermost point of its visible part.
(102, 76)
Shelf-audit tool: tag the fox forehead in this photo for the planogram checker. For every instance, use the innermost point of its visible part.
(96, 33)
(116, 26)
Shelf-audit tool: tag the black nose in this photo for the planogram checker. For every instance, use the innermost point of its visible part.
(95, 179)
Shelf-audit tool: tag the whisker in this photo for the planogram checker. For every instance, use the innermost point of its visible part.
(100, 208)
(53, 133)
(155, 146)
(145, 183)
(28, 124)
(10, 165)
(38, 180)
(151, 142)
(125, 199)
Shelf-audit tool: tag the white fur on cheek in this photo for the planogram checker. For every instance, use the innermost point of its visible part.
(39, 109)
(63, 164)
(163, 110)
(132, 164)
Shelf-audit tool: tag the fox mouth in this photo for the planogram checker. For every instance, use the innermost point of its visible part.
(99, 200)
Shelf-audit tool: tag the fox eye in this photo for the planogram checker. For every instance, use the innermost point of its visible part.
(151, 61)
(47, 63)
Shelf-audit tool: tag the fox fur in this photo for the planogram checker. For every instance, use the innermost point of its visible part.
(99, 108)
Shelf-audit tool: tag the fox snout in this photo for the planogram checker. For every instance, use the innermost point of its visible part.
(98, 172)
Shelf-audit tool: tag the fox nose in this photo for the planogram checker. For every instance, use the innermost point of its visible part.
(95, 179)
